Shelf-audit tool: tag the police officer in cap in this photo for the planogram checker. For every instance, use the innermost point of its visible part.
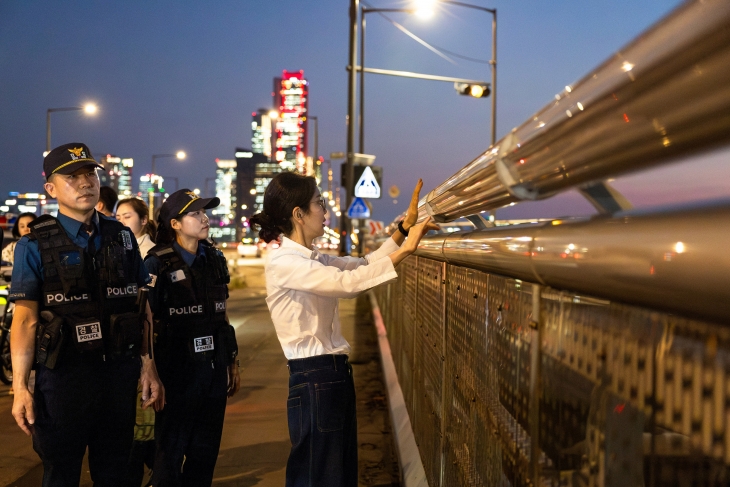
(196, 346)
(77, 316)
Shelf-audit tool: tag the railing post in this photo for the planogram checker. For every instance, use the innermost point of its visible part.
(535, 359)
(444, 303)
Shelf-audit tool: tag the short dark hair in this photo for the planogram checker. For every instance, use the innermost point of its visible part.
(285, 192)
(16, 227)
(108, 197)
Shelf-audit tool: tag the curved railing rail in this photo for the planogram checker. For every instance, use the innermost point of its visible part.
(674, 260)
(663, 96)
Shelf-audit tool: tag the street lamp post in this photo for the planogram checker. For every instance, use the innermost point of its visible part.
(351, 107)
(177, 186)
(492, 62)
(89, 108)
(179, 155)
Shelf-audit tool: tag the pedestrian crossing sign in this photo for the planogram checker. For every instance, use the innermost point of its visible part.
(358, 209)
(367, 186)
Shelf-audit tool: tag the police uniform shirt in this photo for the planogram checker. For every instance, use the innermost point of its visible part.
(27, 276)
(153, 267)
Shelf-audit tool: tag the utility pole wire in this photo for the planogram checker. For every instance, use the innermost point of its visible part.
(440, 51)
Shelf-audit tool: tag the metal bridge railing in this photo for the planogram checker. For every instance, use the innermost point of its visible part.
(580, 353)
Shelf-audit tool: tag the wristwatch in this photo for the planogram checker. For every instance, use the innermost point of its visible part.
(403, 230)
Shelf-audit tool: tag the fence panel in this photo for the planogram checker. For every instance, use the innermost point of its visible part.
(626, 396)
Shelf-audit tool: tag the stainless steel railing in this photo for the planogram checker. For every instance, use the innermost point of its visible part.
(663, 96)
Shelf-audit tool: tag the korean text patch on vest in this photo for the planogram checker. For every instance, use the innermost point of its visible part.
(57, 299)
(126, 239)
(203, 344)
(88, 332)
(178, 275)
(121, 291)
(220, 306)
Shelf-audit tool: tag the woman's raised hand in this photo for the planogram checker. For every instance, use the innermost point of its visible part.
(417, 232)
(412, 214)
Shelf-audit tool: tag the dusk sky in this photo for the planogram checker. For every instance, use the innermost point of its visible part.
(186, 75)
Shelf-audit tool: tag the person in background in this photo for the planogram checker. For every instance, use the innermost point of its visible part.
(20, 229)
(196, 346)
(303, 287)
(107, 201)
(133, 213)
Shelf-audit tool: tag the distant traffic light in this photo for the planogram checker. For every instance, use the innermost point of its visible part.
(477, 91)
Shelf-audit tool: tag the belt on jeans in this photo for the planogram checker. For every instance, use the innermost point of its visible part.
(318, 362)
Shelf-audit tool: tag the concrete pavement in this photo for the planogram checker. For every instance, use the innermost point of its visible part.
(255, 442)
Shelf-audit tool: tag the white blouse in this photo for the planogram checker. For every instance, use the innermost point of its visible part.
(145, 244)
(303, 287)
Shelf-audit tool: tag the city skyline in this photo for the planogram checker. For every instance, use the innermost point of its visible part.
(159, 88)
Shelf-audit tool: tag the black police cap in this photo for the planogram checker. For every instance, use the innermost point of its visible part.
(67, 158)
(184, 201)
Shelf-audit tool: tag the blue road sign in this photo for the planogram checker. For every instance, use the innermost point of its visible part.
(358, 209)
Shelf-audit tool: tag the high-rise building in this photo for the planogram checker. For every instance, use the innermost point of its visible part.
(261, 133)
(291, 96)
(254, 174)
(117, 173)
(223, 217)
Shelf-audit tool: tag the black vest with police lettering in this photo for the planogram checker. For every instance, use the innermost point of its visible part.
(191, 300)
(88, 289)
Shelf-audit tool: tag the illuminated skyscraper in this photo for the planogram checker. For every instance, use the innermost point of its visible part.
(291, 96)
(261, 133)
(117, 174)
(222, 219)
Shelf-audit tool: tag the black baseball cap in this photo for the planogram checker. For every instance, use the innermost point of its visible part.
(67, 158)
(184, 201)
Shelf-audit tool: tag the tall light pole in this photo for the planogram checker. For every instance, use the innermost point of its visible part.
(492, 62)
(351, 84)
(89, 108)
(425, 11)
(180, 155)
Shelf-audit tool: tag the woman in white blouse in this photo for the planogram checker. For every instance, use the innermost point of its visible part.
(303, 287)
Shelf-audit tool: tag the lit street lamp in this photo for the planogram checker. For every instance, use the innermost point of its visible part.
(89, 108)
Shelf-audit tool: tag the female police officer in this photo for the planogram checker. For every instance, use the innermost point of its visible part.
(303, 287)
(196, 347)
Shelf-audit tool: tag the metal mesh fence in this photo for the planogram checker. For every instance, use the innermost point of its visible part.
(592, 393)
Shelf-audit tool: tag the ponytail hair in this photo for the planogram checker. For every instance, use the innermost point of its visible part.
(143, 211)
(165, 233)
(285, 192)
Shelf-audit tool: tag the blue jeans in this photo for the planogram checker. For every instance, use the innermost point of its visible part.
(322, 423)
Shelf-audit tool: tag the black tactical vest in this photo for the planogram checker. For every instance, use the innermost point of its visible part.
(94, 294)
(191, 305)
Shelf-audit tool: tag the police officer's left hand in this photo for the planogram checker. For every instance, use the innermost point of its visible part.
(234, 379)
